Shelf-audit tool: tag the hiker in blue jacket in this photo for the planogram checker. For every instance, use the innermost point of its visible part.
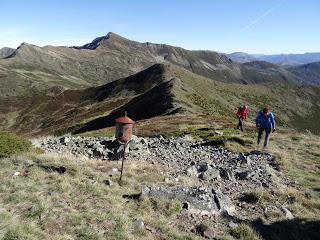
(265, 122)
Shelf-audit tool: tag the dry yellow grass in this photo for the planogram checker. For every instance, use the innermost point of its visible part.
(78, 204)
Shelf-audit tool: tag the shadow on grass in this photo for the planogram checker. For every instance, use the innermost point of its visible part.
(296, 229)
(155, 102)
(222, 140)
(135, 196)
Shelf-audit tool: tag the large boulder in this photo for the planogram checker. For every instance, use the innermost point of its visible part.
(224, 203)
(199, 199)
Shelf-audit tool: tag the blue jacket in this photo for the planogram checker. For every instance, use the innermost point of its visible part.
(265, 122)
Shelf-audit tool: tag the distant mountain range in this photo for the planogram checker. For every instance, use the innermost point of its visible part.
(111, 57)
(74, 89)
(310, 71)
(304, 66)
(280, 59)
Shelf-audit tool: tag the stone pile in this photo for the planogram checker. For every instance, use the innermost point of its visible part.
(221, 176)
(92, 147)
(212, 165)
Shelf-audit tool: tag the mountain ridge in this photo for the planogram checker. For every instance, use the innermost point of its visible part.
(280, 59)
(61, 89)
(112, 57)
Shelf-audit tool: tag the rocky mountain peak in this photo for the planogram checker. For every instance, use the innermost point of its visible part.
(114, 36)
(26, 45)
(98, 42)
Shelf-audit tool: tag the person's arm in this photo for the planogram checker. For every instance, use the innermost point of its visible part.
(273, 122)
(238, 114)
(257, 121)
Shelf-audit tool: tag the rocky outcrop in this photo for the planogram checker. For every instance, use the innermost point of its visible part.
(199, 200)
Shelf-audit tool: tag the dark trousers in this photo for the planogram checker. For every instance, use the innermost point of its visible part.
(267, 137)
(240, 124)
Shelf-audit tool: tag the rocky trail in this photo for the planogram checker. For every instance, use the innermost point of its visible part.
(224, 183)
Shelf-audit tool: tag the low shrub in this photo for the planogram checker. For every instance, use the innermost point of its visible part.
(245, 232)
(11, 144)
(251, 197)
(296, 138)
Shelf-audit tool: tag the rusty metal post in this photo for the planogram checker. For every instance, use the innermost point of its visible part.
(124, 127)
(123, 158)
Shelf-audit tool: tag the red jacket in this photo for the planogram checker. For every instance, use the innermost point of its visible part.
(243, 112)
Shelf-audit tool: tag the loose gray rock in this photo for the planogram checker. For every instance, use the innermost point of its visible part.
(65, 140)
(138, 224)
(203, 166)
(145, 190)
(209, 234)
(224, 203)
(192, 171)
(232, 225)
(226, 174)
(245, 175)
(210, 175)
(287, 213)
(108, 182)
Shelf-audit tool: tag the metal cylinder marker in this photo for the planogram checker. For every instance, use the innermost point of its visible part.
(124, 126)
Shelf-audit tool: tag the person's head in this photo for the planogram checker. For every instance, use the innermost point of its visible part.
(245, 107)
(265, 111)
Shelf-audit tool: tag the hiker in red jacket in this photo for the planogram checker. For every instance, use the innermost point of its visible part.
(242, 114)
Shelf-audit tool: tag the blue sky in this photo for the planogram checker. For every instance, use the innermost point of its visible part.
(253, 26)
